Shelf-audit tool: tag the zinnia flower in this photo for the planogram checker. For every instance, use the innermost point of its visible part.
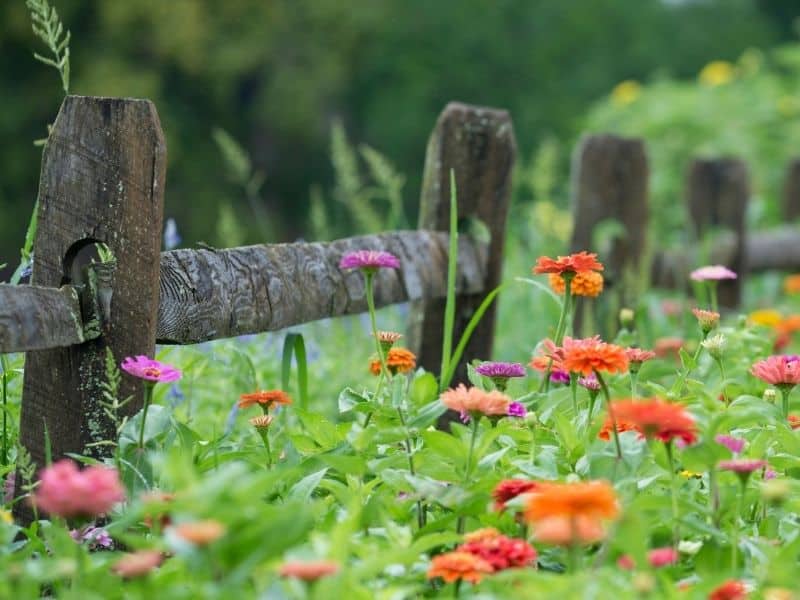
(261, 421)
(668, 347)
(638, 355)
(654, 418)
(387, 339)
(778, 370)
(586, 283)
(574, 263)
(398, 360)
(658, 557)
(66, 491)
(565, 531)
(741, 465)
(137, 563)
(454, 566)
(500, 551)
(506, 370)
(606, 431)
(516, 409)
(474, 401)
(712, 273)
(708, 319)
(729, 590)
(150, 370)
(593, 500)
(794, 421)
(791, 284)
(309, 570)
(588, 355)
(734, 444)
(590, 383)
(266, 398)
(369, 260)
(508, 489)
(200, 533)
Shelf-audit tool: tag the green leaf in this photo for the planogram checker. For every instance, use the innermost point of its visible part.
(303, 489)
(349, 398)
(423, 389)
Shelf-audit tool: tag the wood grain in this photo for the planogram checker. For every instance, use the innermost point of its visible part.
(208, 295)
(102, 180)
(34, 317)
(478, 144)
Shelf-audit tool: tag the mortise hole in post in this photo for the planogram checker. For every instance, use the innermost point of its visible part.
(79, 255)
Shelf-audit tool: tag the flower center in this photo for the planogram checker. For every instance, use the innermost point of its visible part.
(152, 372)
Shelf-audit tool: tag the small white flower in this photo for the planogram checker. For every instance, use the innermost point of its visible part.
(689, 547)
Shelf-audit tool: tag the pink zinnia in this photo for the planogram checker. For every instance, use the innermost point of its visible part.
(590, 383)
(778, 370)
(68, 492)
(639, 355)
(370, 260)
(735, 445)
(712, 273)
(661, 557)
(150, 370)
(741, 465)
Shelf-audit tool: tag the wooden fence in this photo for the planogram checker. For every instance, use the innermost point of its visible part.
(102, 181)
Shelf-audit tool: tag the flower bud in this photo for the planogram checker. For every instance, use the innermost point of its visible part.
(627, 318)
(714, 345)
(531, 419)
(775, 491)
(643, 583)
(689, 547)
(770, 394)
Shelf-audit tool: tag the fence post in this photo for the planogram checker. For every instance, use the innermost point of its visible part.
(609, 182)
(790, 210)
(718, 190)
(479, 145)
(102, 181)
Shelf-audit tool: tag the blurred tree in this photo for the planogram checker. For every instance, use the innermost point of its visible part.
(277, 74)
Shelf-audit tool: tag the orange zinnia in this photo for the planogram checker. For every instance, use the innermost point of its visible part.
(574, 263)
(265, 398)
(453, 566)
(200, 533)
(591, 500)
(591, 354)
(562, 531)
(585, 283)
(398, 360)
(654, 418)
(551, 357)
(608, 427)
(791, 284)
(309, 570)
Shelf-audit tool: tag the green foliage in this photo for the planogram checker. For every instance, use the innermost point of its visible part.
(747, 108)
(48, 27)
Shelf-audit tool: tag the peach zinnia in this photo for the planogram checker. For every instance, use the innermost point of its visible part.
(308, 570)
(454, 566)
(563, 531)
(398, 360)
(137, 563)
(475, 402)
(654, 418)
(588, 355)
(265, 398)
(200, 533)
(574, 263)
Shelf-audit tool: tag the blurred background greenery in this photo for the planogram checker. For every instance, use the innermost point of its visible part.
(253, 94)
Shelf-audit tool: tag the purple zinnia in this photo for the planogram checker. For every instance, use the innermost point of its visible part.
(559, 377)
(369, 260)
(712, 273)
(500, 369)
(735, 445)
(150, 370)
(517, 409)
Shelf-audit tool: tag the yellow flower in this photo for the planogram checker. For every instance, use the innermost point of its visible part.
(717, 72)
(768, 317)
(691, 474)
(626, 92)
(5, 517)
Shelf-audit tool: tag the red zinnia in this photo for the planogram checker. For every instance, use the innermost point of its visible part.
(500, 551)
(655, 418)
(730, 590)
(574, 263)
(508, 489)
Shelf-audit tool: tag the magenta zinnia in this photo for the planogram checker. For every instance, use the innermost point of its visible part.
(150, 370)
(370, 260)
(500, 369)
(778, 370)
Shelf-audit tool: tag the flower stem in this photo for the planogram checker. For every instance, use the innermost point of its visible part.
(148, 396)
(735, 531)
(712, 291)
(673, 489)
(368, 277)
(468, 468)
(573, 386)
(421, 517)
(785, 391)
(722, 375)
(607, 397)
(4, 376)
(264, 433)
(634, 377)
(566, 308)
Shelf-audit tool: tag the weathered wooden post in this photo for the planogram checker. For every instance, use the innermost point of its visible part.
(479, 145)
(790, 209)
(102, 182)
(609, 182)
(718, 191)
